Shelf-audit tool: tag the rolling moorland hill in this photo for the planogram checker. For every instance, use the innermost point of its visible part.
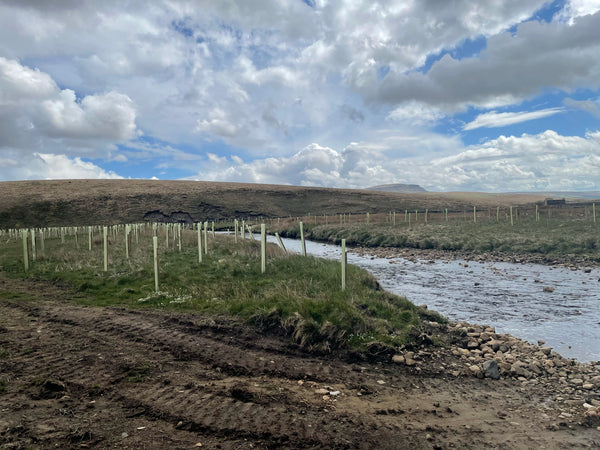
(86, 202)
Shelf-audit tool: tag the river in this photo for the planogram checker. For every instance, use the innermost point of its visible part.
(509, 297)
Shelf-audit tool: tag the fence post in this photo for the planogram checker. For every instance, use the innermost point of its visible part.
(302, 239)
(344, 261)
(179, 237)
(90, 238)
(446, 214)
(127, 241)
(105, 237)
(33, 250)
(155, 251)
(426, 214)
(511, 217)
(25, 250)
(474, 214)
(263, 248)
(199, 227)
(206, 238)
(594, 211)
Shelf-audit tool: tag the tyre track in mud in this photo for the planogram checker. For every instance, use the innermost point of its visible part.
(202, 399)
(171, 380)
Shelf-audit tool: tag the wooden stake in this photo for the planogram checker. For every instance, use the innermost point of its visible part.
(263, 248)
(206, 238)
(302, 239)
(105, 237)
(155, 251)
(33, 251)
(25, 251)
(127, 241)
(344, 262)
(199, 226)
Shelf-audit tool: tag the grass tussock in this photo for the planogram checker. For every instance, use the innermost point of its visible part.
(297, 296)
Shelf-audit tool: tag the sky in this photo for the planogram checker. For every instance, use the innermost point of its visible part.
(462, 95)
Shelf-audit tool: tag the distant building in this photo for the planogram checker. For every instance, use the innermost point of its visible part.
(555, 202)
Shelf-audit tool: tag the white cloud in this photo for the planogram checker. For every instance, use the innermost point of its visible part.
(546, 161)
(62, 167)
(416, 113)
(264, 78)
(43, 117)
(511, 68)
(46, 166)
(590, 106)
(44, 130)
(494, 119)
(577, 8)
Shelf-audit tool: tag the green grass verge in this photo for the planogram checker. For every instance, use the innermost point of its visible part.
(549, 237)
(301, 296)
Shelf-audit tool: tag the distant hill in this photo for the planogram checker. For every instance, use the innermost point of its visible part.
(104, 202)
(402, 188)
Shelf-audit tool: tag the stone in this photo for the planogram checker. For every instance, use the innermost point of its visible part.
(491, 369)
(322, 391)
(495, 344)
(587, 386)
(472, 344)
(398, 359)
(520, 369)
(548, 289)
(476, 370)
(545, 350)
(485, 336)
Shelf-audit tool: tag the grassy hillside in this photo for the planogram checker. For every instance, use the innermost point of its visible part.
(85, 202)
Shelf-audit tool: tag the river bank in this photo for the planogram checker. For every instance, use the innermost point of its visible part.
(573, 262)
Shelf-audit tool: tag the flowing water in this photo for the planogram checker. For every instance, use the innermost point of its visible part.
(509, 297)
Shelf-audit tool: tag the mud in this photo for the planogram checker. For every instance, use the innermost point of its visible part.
(73, 376)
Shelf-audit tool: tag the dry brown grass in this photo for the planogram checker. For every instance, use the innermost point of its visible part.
(83, 202)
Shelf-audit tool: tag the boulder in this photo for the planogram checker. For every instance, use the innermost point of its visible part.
(491, 369)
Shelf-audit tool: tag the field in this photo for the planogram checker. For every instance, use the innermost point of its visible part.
(225, 356)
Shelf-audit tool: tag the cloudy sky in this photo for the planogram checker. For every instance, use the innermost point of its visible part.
(452, 95)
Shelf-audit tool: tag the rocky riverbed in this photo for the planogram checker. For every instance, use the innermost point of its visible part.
(574, 262)
(478, 351)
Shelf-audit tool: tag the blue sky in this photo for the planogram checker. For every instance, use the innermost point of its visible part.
(453, 96)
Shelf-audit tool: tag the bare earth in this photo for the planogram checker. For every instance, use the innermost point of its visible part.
(75, 377)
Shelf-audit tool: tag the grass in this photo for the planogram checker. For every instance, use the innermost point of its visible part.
(300, 296)
(548, 237)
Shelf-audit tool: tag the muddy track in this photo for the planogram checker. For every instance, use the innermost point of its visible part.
(78, 376)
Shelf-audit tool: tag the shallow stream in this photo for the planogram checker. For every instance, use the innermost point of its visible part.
(509, 297)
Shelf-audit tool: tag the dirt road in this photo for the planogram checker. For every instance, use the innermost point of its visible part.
(74, 377)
